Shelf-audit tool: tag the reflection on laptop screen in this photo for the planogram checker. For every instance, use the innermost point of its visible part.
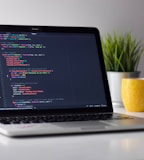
(41, 70)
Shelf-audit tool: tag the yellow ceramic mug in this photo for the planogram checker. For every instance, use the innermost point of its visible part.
(133, 94)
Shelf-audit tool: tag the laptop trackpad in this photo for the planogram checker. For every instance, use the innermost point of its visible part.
(84, 125)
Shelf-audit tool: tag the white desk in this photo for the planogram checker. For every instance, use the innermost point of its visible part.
(116, 146)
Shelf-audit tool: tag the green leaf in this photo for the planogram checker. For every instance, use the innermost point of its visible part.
(121, 52)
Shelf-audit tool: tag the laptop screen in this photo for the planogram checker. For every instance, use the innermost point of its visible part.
(42, 68)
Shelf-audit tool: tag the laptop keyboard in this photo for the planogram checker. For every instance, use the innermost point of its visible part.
(61, 118)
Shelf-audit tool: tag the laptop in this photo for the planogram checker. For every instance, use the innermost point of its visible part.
(53, 81)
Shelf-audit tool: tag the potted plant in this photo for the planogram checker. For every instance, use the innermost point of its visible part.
(122, 55)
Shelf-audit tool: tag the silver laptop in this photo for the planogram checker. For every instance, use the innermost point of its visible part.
(53, 81)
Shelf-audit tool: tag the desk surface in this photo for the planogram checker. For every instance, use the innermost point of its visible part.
(107, 146)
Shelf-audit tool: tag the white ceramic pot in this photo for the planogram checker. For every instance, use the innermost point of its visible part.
(114, 80)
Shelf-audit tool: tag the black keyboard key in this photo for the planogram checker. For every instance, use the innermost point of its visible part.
(60, 118)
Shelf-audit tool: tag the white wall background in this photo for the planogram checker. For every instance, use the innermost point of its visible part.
(107, 15)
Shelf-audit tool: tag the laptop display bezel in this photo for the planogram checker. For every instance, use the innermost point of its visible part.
(63, 29)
